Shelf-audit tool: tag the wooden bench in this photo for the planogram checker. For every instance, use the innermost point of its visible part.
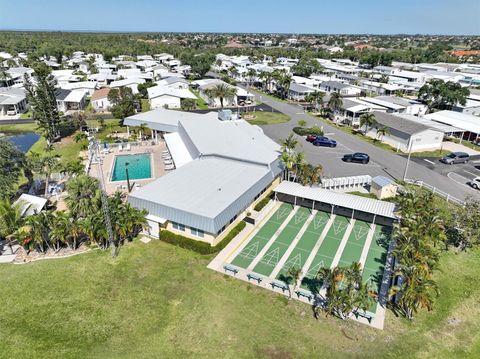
(301, 293)
(228, 268)
(279, 285)
(251, 276)
(363, 315)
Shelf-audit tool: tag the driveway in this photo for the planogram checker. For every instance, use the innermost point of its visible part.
(382, 162)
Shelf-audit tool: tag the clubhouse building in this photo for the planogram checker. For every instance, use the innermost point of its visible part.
(223, 167)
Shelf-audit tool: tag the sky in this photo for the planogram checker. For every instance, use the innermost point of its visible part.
(450, 17)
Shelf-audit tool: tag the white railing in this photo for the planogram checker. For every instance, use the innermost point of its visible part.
(346, 182)
(448, 197)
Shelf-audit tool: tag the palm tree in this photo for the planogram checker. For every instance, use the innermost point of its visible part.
(142, 129)
(11, 220)
(298, 163)
(292, 278)
(383, 131)
(83, 196)
(60, 230)
(335, 102)
(316, 98)
(367, 120)
(251, 76)
(222, 91)
(289, 143)
(44, 166)
(311, 174)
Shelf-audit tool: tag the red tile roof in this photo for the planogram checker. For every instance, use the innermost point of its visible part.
(102, 93)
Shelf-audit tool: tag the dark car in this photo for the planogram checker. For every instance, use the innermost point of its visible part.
(455, 157)
(311, 138)
(324, 141)
(357, 157)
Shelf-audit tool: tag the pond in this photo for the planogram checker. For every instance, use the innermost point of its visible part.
(23, 141)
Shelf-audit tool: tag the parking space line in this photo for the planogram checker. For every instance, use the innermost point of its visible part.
(433, 163)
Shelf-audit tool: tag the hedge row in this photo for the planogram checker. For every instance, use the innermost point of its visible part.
(259, 206)
(197, 246)
(305, 131)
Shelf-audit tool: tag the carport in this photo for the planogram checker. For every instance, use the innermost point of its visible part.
(316, 198)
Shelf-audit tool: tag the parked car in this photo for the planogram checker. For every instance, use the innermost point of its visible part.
(324, 141)
(357, 157)
(455, 157)
(311, 138)
(475, 183)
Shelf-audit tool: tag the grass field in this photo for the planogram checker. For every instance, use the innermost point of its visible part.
(158, 300)
(266, 118)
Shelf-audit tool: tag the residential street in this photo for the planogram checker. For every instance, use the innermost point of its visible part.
(382, 162)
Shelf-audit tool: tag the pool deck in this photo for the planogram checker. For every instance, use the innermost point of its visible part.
(158, 168)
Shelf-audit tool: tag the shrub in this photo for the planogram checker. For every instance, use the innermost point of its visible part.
(304, 131)
(197, 246)
(259, 206)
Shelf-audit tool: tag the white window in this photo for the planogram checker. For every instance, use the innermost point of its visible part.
(178, 226)
(197, 232)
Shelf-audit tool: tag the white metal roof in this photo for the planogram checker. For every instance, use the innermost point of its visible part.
(430, 123)
(177, 148)
(30, 204)
(460, 120)
(357, 203)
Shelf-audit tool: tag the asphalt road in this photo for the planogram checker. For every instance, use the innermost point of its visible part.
(382, 162)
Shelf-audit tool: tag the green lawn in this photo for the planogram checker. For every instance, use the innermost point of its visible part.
(160, 301)
(265, 118)
(145, 105)
(24, 127)
(201, 104)
(437, 153)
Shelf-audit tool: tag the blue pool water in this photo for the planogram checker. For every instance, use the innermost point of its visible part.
(139, 167)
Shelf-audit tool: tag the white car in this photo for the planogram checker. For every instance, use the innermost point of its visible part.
(475, 183)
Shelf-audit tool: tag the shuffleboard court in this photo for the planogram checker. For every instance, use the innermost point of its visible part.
(355, 243)
(267, 264)
(377, 255)
(327, 250)
(305, 245)
(256, 244)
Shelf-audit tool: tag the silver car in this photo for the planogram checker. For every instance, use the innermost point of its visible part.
(455, 157)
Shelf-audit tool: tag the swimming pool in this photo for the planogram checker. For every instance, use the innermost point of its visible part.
(139, 167)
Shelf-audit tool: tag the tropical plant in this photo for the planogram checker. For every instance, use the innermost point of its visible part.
(83, 196)
(44, 166)
(11, 220)
(292, 278)
(368, 120)
(335, 102)
(12, 163)
(438, 94)
(383, 131)
(222, 91)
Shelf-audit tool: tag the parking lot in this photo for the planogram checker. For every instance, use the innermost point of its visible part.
(459, 173)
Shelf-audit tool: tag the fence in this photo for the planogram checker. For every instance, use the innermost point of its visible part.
(436, 191)
(346, 182)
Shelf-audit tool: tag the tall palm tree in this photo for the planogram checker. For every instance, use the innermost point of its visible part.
(251, 76)
(60, 230)
(336, 101)
(299, 163)
(222, 91)
(367, 120)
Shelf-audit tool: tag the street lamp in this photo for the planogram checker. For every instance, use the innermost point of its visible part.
(408, 158)
(128, 179)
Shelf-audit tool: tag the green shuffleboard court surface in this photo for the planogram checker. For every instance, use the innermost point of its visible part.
(305, 245)
(256, 244)
(377, 255)
(267, 264)
(327, 250)
(355, 243)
